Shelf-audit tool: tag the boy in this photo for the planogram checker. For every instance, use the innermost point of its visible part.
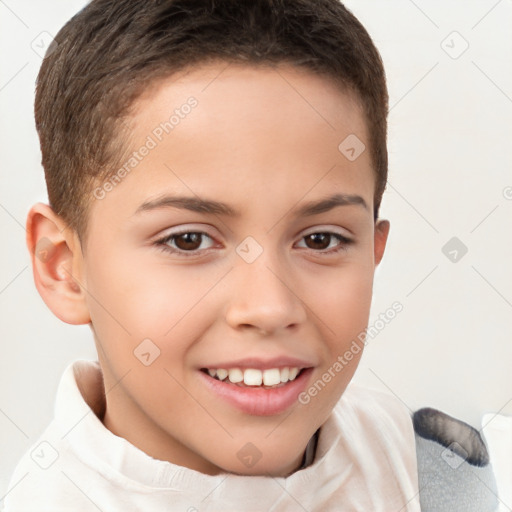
(214, 172)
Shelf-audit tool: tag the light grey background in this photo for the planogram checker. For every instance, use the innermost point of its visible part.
(450, 176)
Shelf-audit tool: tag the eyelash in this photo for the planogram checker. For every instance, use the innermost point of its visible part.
(162, 243)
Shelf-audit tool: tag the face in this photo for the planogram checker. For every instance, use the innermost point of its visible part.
(241, 242)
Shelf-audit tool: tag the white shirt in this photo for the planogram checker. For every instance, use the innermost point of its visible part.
(365, 461)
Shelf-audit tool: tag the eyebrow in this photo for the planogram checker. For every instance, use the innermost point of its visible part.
(198, 205)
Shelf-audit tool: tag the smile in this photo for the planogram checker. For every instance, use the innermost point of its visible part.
(257, 392)
(271, 377)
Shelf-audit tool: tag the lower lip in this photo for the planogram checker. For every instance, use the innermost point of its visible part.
(259, 401)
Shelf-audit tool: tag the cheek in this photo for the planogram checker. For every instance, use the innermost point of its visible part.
(342, 300)
(342, 304)
(138, 298)
(168, 297)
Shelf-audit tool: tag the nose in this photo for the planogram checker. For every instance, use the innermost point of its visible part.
(263, 298)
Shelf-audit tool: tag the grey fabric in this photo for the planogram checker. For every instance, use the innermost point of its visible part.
(448, 483)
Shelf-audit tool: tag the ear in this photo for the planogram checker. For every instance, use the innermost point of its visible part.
(57, 264)
(380, 239)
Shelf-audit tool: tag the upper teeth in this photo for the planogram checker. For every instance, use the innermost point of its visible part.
(254, 377)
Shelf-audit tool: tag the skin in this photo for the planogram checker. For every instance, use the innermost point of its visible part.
(264, 141)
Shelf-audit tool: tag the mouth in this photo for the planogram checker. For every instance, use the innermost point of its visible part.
(255, 378)
(256, 391)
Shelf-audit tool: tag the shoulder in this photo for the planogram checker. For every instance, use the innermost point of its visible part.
(374, 436)
(375, 408)
(50, 477)
(378, 423)
(44, 478)
(39, 480)
(380, 429)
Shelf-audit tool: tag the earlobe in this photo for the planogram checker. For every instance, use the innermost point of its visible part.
(57, 264)
(380, 239)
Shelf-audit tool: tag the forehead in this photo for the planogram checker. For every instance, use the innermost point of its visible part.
(233, 131)
(234, 91)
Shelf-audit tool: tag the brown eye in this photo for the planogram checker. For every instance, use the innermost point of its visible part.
(188, 241)
(318, 240)
(326, 242)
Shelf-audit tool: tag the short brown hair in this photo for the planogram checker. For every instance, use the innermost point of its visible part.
(108, 53)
